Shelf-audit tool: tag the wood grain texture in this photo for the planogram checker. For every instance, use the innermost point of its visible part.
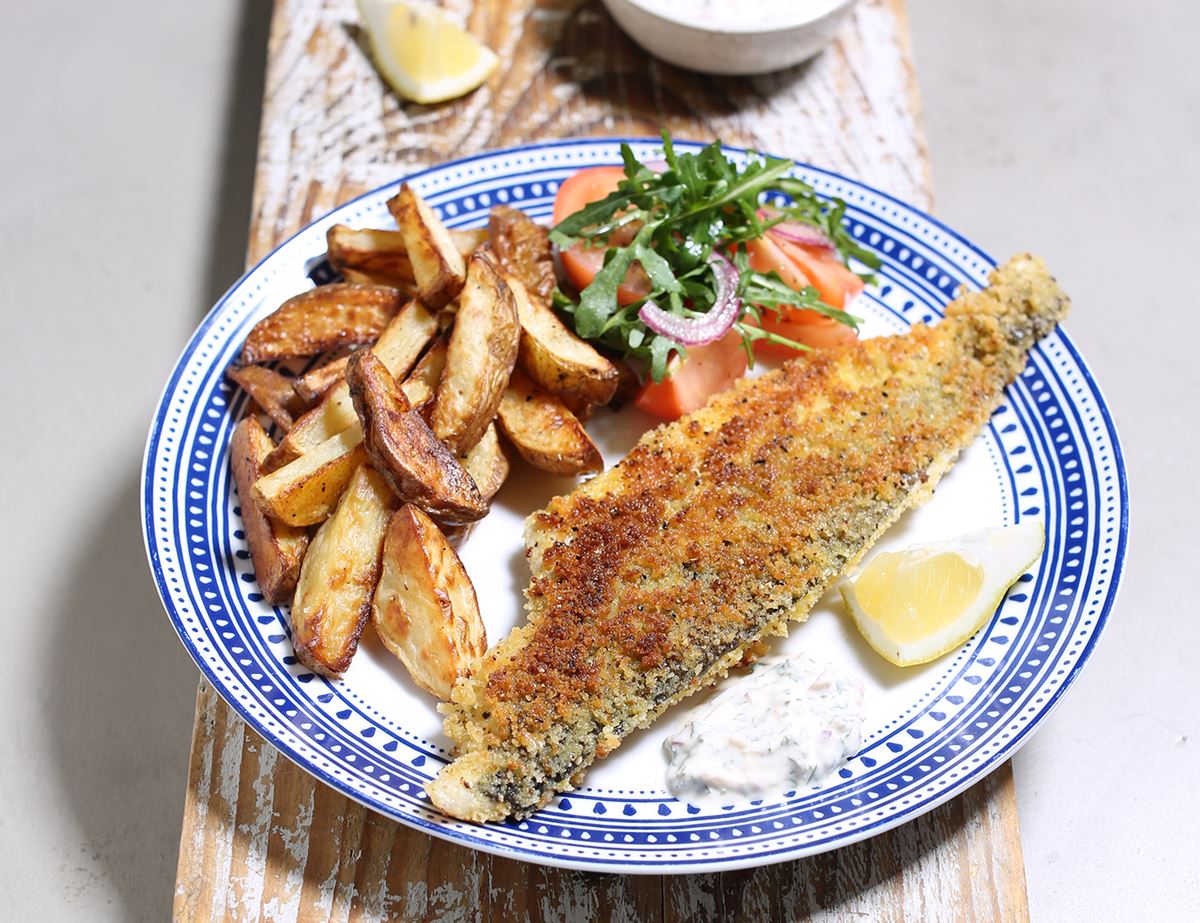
(262, 839)
(331, 129)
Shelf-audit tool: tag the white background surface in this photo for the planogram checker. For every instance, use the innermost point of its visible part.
(1070, 127)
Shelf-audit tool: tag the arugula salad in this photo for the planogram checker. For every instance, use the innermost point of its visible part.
(691, 265)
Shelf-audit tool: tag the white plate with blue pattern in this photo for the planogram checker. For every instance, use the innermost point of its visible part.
(1050, 452)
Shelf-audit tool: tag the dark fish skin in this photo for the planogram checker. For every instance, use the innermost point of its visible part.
(651, 580)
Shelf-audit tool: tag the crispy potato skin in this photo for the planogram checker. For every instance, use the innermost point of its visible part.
(338, 576)
(487, 464)
(522, 248)
(424, 609)
(549, 353)
(545, 432)
(417, 465)
(480, 357)
(628, 385)
(276, 549)
(376, 253)
(272, 392)
(437, 264)
(315, 383)
(398, 347)
(322, 319)
(557, 360)
(422, 382)
(380, 257)
(365, 277)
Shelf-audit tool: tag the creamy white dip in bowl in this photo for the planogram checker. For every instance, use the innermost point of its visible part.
(731, 36)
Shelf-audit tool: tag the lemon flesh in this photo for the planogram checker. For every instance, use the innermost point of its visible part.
(915, 605)
(421, 52)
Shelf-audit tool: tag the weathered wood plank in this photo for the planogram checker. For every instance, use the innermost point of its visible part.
(520, 891)
(261, 838)
(331, 129)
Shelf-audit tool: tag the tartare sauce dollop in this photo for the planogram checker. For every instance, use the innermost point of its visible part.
(787, 725)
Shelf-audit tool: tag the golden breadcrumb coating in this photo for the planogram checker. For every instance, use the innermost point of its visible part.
(652, 580)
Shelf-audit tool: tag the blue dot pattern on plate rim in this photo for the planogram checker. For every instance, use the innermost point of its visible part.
(1055, 453)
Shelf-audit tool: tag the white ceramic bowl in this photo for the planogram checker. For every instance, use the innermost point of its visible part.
(753, 45)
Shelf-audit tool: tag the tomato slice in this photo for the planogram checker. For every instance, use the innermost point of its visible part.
(828, 275)
(581, 262)
(810, 328)
(690, 383)
(767, 256)
(800, 266)
(584, 188)
(806, 327)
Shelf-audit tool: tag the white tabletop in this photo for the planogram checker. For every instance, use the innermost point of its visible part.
(1066, 127)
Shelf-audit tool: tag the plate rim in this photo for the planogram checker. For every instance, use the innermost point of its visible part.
(903, 815)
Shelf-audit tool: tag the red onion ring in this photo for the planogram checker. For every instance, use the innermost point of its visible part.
(796, 232)
(710, 327)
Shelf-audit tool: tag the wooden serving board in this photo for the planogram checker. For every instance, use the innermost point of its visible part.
(262, 839)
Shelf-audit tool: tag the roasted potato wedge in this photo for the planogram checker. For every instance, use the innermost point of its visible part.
(322, 319)
(377, 253)
(522, 248)
(437, 264)
(425, 611)
(487, 464)
(398, 347)
(422, 382)
(338, 577)
(557, 360)
(275, 549)
(363, 277)
(417, 466)
(479, 359)
(468, 240)
(332, 416)
(628, 385)
(304, 491)
(582, 411)
(381, 256)
(544, 432)
(315, 383)
(272, 392)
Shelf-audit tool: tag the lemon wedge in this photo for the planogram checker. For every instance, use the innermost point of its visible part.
(422, 52)
(915, 605)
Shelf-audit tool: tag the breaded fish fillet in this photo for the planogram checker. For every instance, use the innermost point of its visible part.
(651, 580)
